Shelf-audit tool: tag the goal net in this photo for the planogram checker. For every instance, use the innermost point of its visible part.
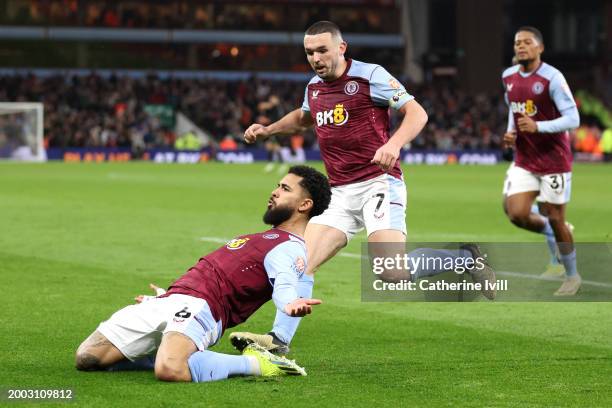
(21, 131)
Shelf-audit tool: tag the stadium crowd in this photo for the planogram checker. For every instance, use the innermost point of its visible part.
(97, 111)
(197, 15)
(94, 111)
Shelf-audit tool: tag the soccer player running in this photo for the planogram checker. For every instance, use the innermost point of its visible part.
(347, 102)
(542, 110)
(222, 290)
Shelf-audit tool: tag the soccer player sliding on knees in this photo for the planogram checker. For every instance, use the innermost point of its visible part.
(172, 332)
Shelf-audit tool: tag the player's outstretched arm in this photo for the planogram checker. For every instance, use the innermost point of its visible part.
(293, 122)
(413, 122)
(301, 307)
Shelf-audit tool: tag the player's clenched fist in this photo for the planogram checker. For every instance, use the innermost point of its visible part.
(254, 132)
(509, 139)
(526, 124)
(386, 156)
(301, 307)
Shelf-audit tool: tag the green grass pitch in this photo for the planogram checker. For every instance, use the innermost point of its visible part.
(79, 241)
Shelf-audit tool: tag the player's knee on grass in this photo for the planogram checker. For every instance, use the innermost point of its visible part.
(86, 361)
(172, 370)
(172, 356)
(96, 353)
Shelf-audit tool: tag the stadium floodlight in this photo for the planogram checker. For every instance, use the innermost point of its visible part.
(21, 131)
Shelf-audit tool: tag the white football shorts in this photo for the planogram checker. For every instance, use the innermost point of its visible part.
(137, 330)
(553, 188)
(376, 204)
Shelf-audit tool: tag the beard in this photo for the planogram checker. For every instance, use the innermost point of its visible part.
(277, 215)
(525, 62)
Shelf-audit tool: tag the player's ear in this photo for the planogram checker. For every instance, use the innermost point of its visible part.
(306, 205)
(342, 47)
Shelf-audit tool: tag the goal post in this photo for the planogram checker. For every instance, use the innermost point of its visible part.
(21, 131)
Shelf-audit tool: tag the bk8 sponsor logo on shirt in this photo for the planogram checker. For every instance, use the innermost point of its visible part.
(236, 243)
(528, 107)
(337, 116)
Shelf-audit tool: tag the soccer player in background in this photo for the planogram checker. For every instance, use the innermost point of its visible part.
(222, 290)
(347, 102)
(542, 110)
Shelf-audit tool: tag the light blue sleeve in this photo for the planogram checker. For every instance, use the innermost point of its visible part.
(305, 105)
(387, 91)
(564, 101)
(511, 126)
(284, 265)
(560, 93)
(569, 119)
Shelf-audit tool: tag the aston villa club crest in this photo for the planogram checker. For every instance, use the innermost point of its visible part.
(537, 88)
(351, 88)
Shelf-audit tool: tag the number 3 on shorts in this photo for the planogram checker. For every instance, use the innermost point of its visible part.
(556, 182)
(556, 188)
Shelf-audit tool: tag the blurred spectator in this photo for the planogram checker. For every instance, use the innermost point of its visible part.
(605, 145)
(188, 141)
(228, 143)
(458, 120)
(587, 137)
(93, 111)
(274, 15)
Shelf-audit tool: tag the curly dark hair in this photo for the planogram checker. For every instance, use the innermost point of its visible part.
(317, 186)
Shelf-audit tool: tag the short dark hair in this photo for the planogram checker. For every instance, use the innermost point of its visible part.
(324, 26)
(317, 186)
(533, 31)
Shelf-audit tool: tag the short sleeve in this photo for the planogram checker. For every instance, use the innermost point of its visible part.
(305, 105)
(385, 90)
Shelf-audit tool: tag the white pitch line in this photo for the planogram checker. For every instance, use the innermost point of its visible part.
(352, 255)
(216, 240)
(544, 278)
